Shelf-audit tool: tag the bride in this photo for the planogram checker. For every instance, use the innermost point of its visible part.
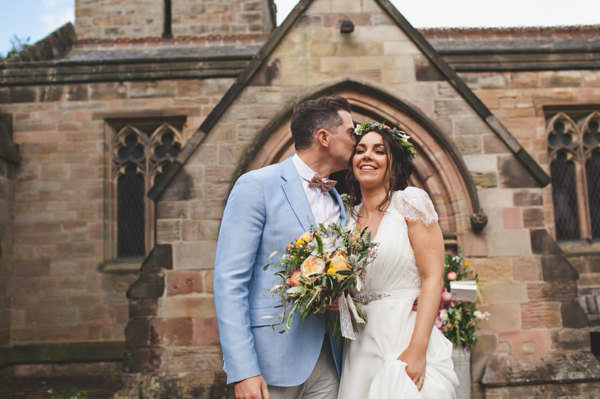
(399, 353)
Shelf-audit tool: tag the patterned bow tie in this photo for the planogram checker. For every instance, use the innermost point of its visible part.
(324, 186)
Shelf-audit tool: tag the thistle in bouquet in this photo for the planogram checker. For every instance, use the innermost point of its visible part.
(320, 267)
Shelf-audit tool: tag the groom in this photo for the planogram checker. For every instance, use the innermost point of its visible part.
(266, 210)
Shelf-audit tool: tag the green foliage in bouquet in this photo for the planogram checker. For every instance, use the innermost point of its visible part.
(317, 268)
(458, 318)
(454, 264)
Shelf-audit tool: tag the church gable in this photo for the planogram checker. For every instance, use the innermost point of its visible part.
(308, 54)
(309, 50)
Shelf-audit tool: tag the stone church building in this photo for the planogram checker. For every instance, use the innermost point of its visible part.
(121, 137)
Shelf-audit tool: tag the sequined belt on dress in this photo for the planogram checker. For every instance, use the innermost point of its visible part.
(365, 297)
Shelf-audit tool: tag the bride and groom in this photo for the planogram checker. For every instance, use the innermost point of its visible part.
(398, 354)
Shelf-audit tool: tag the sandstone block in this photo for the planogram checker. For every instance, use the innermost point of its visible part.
(194, 255)
(541, 315)
(527, 269)
(195, 359)
(527, 342)
(481, 163)
(557, 268)
(473, 245)
(492, 269)
(206, 332)
(186, 307)
(509, 243)
(493, 145)
(504, 293)
(142, 308)
(344, 6)
(183, 282)
(172, 332)
(137, 333)
(172, 210)
(144, 360)
(531, 197)
(573, 315)
(469, 145)
(208, 279)
(168, 231)
(512, 218)
(505, 317)
(570, 339)
(513, 174)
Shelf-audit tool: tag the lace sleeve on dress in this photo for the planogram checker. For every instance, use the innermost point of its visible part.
(415, 205)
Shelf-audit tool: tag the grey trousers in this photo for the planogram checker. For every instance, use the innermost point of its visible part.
(322, 383)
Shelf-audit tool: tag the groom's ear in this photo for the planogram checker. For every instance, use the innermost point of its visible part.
(323, 137)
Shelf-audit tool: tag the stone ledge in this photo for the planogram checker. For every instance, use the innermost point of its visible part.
(62, 353)
(121, 266)
(502, 370)
(187, 385)
(26, 74)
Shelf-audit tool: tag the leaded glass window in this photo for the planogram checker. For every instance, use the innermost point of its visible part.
(140, 152)
(574, 147)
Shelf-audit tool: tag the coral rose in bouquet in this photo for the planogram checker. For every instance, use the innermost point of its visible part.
(320, 267)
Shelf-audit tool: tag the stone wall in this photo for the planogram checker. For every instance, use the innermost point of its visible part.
(135, 19)
(58, 290)
(109, 19)
(518, 274)
(7, 182)
(518, 100)
(230, 17)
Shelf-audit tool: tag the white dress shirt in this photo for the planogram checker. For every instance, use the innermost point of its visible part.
(324, 207)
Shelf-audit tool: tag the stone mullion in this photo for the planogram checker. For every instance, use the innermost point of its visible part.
(584, 204)
(149, 211)
(586, 153)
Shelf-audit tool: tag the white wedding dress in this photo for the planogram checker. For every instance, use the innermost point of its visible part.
(391, 284)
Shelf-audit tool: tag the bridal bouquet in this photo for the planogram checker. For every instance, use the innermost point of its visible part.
(458, 316)
(320, 267)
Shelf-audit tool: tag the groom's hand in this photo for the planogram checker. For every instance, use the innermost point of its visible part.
(252, 388)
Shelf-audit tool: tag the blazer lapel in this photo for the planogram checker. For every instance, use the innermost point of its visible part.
(294, 192)
(338, 198)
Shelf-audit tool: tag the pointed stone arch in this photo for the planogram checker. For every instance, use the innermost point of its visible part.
(439, 169)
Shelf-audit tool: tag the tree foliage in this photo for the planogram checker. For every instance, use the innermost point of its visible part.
(17, 45)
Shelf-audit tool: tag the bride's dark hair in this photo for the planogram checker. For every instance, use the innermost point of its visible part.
(399, 169)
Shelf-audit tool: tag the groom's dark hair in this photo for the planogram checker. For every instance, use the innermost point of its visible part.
(313, 115)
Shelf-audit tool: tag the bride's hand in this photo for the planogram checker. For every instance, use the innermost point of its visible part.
(415, 365)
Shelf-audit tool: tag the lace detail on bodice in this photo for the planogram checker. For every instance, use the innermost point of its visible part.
(395, 266)
(415, 205)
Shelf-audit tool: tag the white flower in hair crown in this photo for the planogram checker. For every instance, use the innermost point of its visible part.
(396, 134)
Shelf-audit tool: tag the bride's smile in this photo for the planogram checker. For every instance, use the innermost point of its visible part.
(370, 161)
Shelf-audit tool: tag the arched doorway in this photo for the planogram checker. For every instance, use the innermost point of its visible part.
(439, 169)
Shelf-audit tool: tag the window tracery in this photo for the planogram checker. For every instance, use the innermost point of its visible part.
(574, 149)
(140, 152)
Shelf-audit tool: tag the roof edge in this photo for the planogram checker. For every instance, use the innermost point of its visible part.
(53, 46)
(234, 91)
(467, 94)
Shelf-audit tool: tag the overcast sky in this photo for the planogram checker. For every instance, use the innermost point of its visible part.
(38, 18)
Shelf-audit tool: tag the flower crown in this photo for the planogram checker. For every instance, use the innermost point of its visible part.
(396, 134)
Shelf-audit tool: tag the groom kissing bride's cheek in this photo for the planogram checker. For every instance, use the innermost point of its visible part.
(273, 206)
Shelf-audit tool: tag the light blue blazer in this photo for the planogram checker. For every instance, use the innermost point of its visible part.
(266, 210)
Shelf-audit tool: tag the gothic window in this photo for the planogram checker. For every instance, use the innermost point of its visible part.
(167, 32)
(140, 152)
(574, 148)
